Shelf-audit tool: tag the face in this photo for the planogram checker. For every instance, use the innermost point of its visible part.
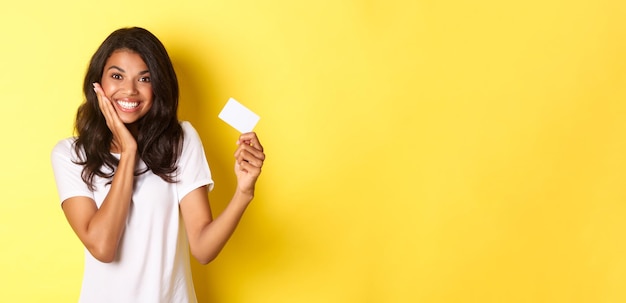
(126, 82)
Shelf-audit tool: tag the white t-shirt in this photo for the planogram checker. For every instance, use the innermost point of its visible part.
(152, 261)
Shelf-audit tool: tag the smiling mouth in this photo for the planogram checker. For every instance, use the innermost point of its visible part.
(127, 105)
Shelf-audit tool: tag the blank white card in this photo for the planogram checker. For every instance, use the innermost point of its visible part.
(239, 116)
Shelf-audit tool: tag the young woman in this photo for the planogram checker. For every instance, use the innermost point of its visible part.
(134, 182)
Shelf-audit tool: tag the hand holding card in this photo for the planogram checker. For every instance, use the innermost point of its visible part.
(249, 154)
(238, 116)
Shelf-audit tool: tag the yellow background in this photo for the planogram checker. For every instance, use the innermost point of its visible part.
(418, 151)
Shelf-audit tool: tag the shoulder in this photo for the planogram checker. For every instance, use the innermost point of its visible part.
(64, 147)
(192, 143)
(187, 127)
(64, 154)
(189, 132)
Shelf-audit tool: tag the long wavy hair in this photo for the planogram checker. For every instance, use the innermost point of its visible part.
(159, 136)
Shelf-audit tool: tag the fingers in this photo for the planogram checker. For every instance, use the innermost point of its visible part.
(250, 150)
(249, 153)
(105, 105)
(249, 168)
(256, 160)
(250, 139)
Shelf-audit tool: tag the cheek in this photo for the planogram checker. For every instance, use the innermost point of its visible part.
(107, 86)
(148, 98)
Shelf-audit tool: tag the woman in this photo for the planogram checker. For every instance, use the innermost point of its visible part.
(134, 182)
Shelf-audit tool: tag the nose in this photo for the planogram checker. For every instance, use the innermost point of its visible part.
(130, 87)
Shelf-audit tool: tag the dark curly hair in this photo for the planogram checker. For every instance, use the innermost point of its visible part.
(159, 136)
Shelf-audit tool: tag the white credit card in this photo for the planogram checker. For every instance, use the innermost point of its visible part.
(239, 116)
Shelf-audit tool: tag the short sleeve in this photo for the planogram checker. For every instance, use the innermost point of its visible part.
(193, 168)
(67, 174)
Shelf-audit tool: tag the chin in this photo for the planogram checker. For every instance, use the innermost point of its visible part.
(129, 121)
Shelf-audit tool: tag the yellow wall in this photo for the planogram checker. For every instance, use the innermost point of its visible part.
(418, 151)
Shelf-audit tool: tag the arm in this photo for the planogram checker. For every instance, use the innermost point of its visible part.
(100, 229)
(206, 236)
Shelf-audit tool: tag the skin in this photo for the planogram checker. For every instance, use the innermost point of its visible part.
(126, 79)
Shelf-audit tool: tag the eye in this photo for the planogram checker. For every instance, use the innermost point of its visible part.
(116, 76)
(144, 79)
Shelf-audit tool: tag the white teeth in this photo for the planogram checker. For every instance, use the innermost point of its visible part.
(128, 105)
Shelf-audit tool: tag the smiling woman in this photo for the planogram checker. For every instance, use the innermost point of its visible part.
(134, 171)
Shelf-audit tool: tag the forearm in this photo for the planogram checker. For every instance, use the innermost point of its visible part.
(107, 225)
(215, 234)
(207, 237)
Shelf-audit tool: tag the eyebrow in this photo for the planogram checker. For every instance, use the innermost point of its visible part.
(123, 71)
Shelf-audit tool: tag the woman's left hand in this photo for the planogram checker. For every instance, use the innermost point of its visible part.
(249, 158)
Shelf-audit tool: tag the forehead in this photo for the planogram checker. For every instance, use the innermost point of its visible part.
(126, 60)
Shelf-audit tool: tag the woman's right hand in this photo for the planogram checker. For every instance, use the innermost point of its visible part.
(123, 140)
